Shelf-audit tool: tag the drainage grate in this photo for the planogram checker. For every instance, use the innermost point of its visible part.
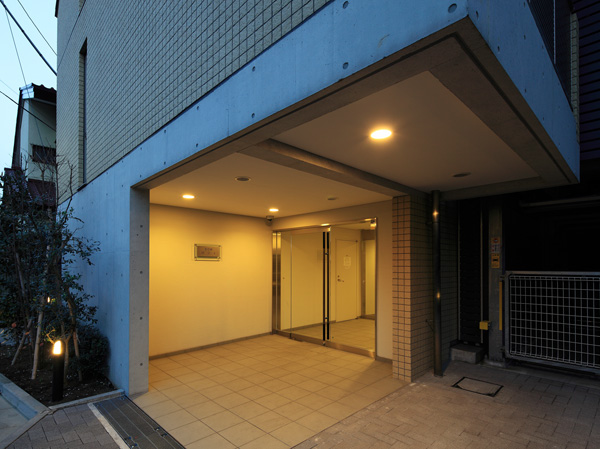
(136, 428)
(478, 386)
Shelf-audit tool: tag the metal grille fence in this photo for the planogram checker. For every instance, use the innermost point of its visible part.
(554, 317)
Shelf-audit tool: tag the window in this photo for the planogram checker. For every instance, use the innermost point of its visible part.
(82, 160)
(43, 155)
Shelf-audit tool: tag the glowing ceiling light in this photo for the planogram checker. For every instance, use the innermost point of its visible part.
(187, 196)
(381, 134)
(273, 209)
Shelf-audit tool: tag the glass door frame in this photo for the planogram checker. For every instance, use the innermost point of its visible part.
(276, 290)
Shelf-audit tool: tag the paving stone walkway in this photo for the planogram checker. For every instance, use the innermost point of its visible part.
(530, 411)
(71, 427)
(533, 409)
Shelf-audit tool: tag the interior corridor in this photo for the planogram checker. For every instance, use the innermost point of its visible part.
(266, 392)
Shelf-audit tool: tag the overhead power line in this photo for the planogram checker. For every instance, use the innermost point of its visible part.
(25, 34)
(36, 27)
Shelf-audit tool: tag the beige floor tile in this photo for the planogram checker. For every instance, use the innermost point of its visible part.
(292, 434)
(162, 408)
(317, 421)
(333, 393)
(215, 392)
(231, 400)
(355, 401)
(337, 410)
(249, 410)
(269, 421)
(272, 400)
(157, 376)
(175, 392)
(205, 409)
(314, 401)
(265, 442)
(152, 397)
(178, 371)
(191, 432)
(293, 393)
(189, 400)
(238, 384)
(242, 433)
(176, 419)
(258, 378)
(312, 385)
(202, 384)
(214, 441)
(167, 383)
(254, 392)
(189, 378)
(294, 378)
(221, 421)
(293, 410)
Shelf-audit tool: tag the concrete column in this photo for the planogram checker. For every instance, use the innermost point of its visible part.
(139, 281)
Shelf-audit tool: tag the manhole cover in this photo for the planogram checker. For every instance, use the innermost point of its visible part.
(478, 386)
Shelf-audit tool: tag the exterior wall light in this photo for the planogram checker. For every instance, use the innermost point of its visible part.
(58, 370)
(381, 134)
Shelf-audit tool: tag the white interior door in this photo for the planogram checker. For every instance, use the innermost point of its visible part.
(346, 280)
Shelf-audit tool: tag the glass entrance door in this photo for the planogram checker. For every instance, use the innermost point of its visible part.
(303, 283)
(324, 285)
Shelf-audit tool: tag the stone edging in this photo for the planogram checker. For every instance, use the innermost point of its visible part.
(34, 410)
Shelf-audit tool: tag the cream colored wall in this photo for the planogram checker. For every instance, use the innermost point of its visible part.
(383, 212)
(197, 303)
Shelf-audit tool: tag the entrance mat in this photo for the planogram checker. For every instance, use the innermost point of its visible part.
(136, 428)
(478, 386)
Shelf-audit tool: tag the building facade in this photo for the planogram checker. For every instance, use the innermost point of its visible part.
(255, 105)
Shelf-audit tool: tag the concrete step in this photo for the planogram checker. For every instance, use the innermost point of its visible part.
(466, 353)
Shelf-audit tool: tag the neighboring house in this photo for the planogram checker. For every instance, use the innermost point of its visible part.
(247, 107)
(34, 150)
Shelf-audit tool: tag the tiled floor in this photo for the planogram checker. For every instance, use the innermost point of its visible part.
(359, 333)
(268, 392)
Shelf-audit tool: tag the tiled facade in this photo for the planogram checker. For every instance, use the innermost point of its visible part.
(412, 289)
(167, 56)
(413, 285)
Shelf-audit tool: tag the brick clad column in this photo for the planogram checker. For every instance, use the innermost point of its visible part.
(412, 288)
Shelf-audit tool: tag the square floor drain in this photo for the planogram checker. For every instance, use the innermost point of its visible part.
(478, 386)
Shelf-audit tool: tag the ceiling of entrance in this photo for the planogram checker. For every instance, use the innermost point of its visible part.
(435, 137)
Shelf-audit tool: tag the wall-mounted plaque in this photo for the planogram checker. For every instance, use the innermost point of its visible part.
(207, 252)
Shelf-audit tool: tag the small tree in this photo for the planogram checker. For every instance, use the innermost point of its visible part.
(40, 298)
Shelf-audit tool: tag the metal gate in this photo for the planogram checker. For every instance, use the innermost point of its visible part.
(553, 317)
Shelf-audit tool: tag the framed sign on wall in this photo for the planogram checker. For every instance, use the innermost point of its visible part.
(207, 252)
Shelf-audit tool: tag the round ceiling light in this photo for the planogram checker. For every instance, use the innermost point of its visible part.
(381, 134)
(188, 196)
(273, 209)
(242, 178)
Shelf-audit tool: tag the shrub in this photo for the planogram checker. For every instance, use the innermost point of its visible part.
(93, 350)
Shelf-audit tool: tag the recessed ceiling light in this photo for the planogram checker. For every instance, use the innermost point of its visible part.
(187, 196)
(461, 175)
(381, 134)
(242, 178)
(324, 224)
(273, 209)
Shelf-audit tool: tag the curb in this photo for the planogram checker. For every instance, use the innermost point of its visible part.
(34, 410)
(19, 399)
